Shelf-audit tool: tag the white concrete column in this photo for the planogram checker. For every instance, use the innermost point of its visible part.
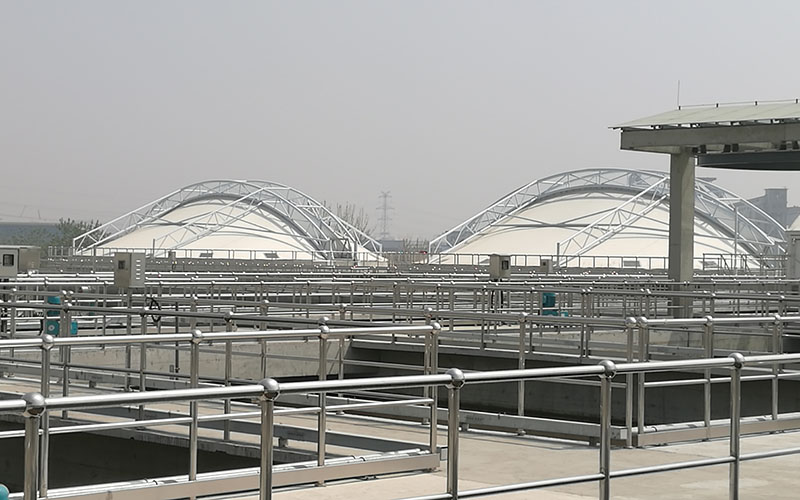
(681, 216)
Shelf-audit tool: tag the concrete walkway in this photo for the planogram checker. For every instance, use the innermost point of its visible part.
(489, 459)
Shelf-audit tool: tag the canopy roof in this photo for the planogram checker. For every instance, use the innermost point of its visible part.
(609, 212)
(720, 115)
(268, 219)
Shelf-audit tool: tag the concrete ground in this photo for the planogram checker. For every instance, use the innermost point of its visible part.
(489, 459)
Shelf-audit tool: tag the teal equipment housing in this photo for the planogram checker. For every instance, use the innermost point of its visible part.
(549, 304)
(52, 323)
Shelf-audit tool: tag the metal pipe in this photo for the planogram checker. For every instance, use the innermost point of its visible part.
(457, 381)
(128, 328)
(605, 428)
(194, 363)
(433, 436)
(322, 416)
(629, 383)
(226, 432)
(708, 339)
(692, 464)
(142, 363)
(271, 391)
(735, 416)
(521, 366)
(47, 345)
(34, 406)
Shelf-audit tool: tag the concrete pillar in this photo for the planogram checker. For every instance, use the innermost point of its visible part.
(681, 216)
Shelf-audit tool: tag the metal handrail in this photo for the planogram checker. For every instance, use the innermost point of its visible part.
(33, 405)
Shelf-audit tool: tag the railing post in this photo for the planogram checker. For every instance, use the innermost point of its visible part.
(12, 315)
(736, 413)
(322, 417)
(263, 342)
(47, 346)
(708, 344)
(434, 395)
(453, 404)
(35, 406)
(128, 331)
(777, 348)
(426, 355)
(197, 338)
(226, 431)
(271, 391)
(521, 365)
(605, 428)
(644, 334)
(66, 351)
(142, 359)
(630, 323)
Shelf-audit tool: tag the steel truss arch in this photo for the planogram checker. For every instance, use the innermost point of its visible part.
(329, 236)
(715, 206)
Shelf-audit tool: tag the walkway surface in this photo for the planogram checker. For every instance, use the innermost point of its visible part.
(490, 459)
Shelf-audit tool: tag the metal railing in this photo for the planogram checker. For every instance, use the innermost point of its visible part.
(100, 259)
(33, 405)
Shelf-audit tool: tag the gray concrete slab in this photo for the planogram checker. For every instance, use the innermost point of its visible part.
(489, 459)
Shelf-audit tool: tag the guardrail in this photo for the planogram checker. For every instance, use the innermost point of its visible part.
(34, 405)
(205, 258)
(324, 334)
(516, 334)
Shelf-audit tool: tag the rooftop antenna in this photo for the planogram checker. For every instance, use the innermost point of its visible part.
(679, 94)
(384, 218)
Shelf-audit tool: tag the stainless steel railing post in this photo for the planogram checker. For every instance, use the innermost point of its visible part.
(226, 431)
(735, 416)
(35, 406)
(426, 355)
(12, 315)
(47, 346)
(66, 351)
(263, 342)
(777, 348)
(322, 420)
(708, 344)
(521, 365)
(142, 361)
(128, 331)
(453, 404)
(605, 428)
(271, 392)
(194, 374)
(644, 334)
(630, 323)
(434, 417)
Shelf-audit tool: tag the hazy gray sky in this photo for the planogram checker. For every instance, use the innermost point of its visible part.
(449, 105)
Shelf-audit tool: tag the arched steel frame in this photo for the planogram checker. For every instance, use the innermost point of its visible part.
(717, 207)
(313, 222)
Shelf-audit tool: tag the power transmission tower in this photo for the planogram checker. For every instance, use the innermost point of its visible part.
(384, 218)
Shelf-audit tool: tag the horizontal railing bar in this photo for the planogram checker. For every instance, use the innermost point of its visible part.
(770, 454)
(691, 464)
(509, 488)
(156, 338)
(256, 390)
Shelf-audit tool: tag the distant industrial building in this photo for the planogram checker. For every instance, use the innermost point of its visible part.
(774, 203)
(12, 233)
